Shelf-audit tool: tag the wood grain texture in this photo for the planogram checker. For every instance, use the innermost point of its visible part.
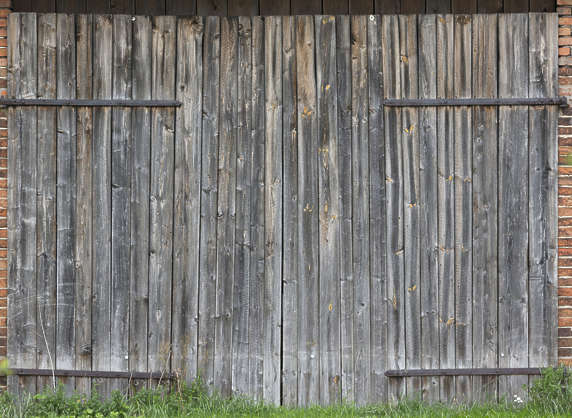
(273, 208)
(438, 6)
(513, 198)
(463, 6)
(161, 194)
(179, 7)
(212, 7)
(305, 7)
(387, 7)
(22, 197)
(308, 216)
(336, 7)
(290, 215)
(84, 235)
(101, 195)
(328, 191)
(243, 8)
(485, 206)
(274, 8)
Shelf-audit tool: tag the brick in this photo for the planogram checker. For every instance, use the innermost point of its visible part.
(565, 332)
(565, 71)
(565, 252)
(561, 31)
(565, 352)
(564, 81)
(565, 40)
(565, 282)
(6, 3)
(564, 2)
(561, 60)
(563, 51)
(565, 302)
(562, 191)
(562, 322)
(563, 10)
(565, 342)
(565, 221)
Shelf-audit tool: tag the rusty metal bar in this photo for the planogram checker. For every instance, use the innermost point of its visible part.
(528, 101)
(465, 372)
(90, 103)
(91, 373)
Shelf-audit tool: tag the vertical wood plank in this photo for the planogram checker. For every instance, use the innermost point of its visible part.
(410, 144)
(274, 8)
(243, 8)
(66, 197)
(46, 203)
(256, 293)
(84, 235)
(140, 198)
(122, 6)
(226, 205)
(542, 6)
(360, 7)
(336, 7)
(242, 270)
(71, 6)
(149, 7)
(344, 106)
(273, 209)
(101, 197)
(412, 6)
(463, 6)
(290, 215)
(360, 203)
(428, 207)
(446, 205)
(485, 205)
(212, 7)
(22, 198)
(489, 6)
(387, 6)
(463, 206)
(181, 7)
(377, 213)
(187, 197)
(308, 232)
(161, 194)
(438, 6)
(305, 7)
(515, 6)
(513, 202)
(209, 157)
(394, 204)
(120, 198)
(328, 191)
(543, 212)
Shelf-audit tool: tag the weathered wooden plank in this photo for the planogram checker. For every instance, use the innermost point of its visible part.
(413, 6)
(336, 7)
(428, 207)
(140, 198)
(226, 205)
(66, 196)
(410, 145)
(256, 287)
(360, 7)
(360, 203)
(121, 141)
(515, 6)
(243, 8)
(308, 228)
(274, 8)
(272, 208)
(212, 8)
(513, 202)
(161, 194)
(150, 8)
(71, 6)
(101, 195)
(344, 106)
(446, 208)
(377, 225)
(180, 7)
(242, 270)
(542, 6)
(490, 6)
(485, 206)
(438, 6)
(305, 7)
(463, 206)
(23, 61)
(543, 212)
(328, 194)
(209, 157)
(394, 204)
(387, 6)
(463, 6)
(84, 236)
(187, 198)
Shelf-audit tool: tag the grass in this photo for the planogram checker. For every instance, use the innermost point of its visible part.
(549, 396)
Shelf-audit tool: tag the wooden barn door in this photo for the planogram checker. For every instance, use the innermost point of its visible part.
(272, 204)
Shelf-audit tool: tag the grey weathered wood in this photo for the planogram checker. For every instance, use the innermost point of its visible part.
(446, 201)
(485, 206)
(273, 208)
(513, 202)
(344, 106)
(66, 197)
(308, 228)
(226, 204)
(543, 211)
(209, 157)
(463, 205)
(360, 221)
(187, 198)
(101, 198)
(121, 142)
(410, 144)
(428, 206)
(46, 203)
(328, 191)
(256, 286)
(242, 270)
(377, 212)
(290, 215)
(84, 236)
(161, 194)
(394, 204)
(140, 188)
(22, 217)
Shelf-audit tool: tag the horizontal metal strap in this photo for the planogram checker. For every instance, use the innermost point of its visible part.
(91, 373)
(527, 101)
(90, 103)
(464, 372)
